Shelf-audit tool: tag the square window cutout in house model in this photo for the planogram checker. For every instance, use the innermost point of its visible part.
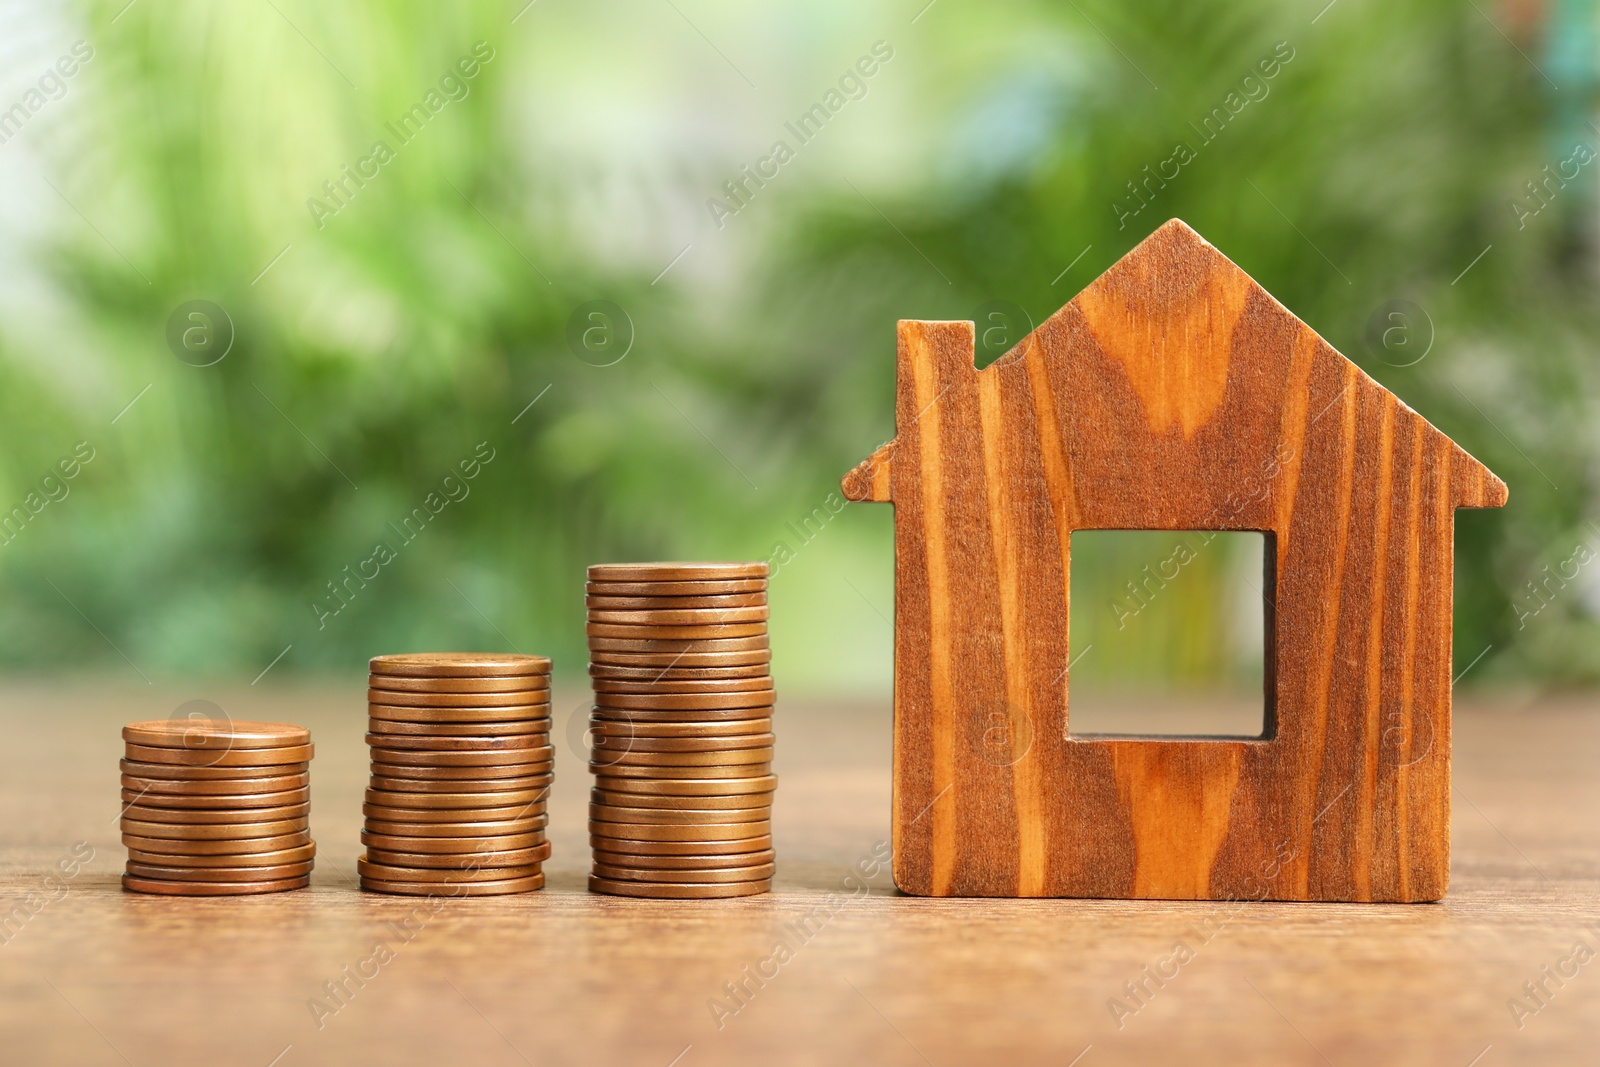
(1173, 393)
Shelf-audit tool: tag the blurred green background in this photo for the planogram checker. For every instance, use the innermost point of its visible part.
(1417, 182)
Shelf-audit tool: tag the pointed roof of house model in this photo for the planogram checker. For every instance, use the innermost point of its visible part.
(1171, 318)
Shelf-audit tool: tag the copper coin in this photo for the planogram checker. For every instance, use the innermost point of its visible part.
(527, 783)
(216, 846)
(626, 754)
(701, 875)
(222, 874)
(516, 728)
(732, 801)
(399, 699)
(221, 757)
(677, 571)
(240, 859)
(676, 816)
(753, 684)
(526, 824)
(671, 667)
(463, 758)
(655, 831)
(215, 733)
(533, 732)
(608, 743)
(621, 755)
(175, 772)
(213, 831)
(210, 889)
(381, 819)
(444, 864)
(455, 889)
(680, 658)
(468, 830)
(218, 787)
(667, 673)
(681, 731)
(402, 771)
(384, 873)
(214, 816)
(707, 587)
(699, 601)
(509, 683)
(397, 810)
(682, 616)
(688, 632)
(458, 664)
(455, 801)
(674, 891)
(451, 845)
(620, 770)
(755, 658)
(762, 698)
(536, 691)
(520, 713)
(472, 860)
(636, 861)
(680, 848)
(241, 803)
(384, 764)
(708, 787)
(637, 716)
(530, 691)
(408, 743)
(601, 647)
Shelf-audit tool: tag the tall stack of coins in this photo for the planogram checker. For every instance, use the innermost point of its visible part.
(461, 768)
(682, 728)
(216, 807)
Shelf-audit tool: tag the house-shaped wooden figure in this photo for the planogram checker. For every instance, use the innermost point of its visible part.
(1174, 393)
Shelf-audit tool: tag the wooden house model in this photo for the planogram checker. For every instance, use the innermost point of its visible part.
(1174, 393)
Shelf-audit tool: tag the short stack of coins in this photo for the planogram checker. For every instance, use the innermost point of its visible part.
(461, 771)
(682, 726)
(216, 807)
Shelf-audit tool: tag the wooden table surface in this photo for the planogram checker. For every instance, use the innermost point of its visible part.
(92, 975)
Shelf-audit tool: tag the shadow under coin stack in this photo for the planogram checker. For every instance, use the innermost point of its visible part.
(214, 807)
(461, 769)
(682, 727)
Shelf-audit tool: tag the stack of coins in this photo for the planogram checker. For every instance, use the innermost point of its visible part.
(216, 807)
(682, 728)
(461, 768)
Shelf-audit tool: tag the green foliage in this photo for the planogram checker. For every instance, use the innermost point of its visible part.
(421, 317)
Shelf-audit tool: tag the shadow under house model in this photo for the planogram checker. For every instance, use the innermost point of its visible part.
(1172, 393)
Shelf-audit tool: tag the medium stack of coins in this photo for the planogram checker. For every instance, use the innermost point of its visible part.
(461, 768)
(682, 728)
(215, 807)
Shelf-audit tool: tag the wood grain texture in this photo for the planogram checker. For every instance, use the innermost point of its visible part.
(1173, 393)
(93, 976)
